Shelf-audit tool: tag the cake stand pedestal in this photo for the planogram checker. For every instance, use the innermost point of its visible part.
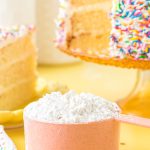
(138, 101)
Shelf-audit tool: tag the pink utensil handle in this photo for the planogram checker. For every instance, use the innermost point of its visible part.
(134, 120)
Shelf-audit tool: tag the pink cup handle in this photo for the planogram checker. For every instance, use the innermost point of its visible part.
(134, 120)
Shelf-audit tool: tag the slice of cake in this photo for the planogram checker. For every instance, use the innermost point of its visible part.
(17, 67)
(84, 24)
(111, 32)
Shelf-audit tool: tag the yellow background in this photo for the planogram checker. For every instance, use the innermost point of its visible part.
(109, 82)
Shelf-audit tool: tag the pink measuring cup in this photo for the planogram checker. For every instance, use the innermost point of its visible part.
(101, 135)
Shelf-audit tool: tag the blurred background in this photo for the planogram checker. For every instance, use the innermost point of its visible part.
(42, 14)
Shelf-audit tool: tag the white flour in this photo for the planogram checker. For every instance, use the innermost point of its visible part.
(71, 108)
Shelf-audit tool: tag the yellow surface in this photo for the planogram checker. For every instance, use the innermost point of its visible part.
(10, 118)
(111, 83)
(15, 117)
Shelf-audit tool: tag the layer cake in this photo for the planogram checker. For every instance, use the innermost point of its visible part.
(100, 30)
(17, 67)
(84, 24)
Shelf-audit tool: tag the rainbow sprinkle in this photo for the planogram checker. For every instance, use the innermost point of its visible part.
(61, 22)
(8, 34)
(130, 35)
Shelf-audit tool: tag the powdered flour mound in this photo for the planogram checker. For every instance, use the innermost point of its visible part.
(71, 108)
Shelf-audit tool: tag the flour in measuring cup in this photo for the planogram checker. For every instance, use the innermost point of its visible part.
(71, 108)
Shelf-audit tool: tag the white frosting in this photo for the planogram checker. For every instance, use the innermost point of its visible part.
(9, 35)
(99, 6)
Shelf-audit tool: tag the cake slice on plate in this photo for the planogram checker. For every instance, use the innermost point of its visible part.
(17, 67)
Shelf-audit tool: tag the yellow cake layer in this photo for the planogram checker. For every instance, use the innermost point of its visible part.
(90, 43)
(85, 2)
(12, 73)
(16, 49)
(94, 19)
(19, 95)
(93, 22)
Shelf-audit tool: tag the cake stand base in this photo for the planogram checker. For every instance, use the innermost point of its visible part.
(138, 101)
